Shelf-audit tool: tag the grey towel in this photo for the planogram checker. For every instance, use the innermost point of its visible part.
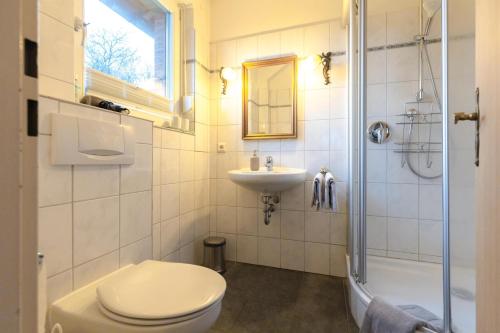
(330, 192)
(318, 188)
(382, 317)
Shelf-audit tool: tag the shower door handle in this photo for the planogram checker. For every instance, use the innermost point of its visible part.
(462, 116)
(473, 116)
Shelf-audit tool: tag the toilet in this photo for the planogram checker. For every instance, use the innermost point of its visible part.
(151, 297)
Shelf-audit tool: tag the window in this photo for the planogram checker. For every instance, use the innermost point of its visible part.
(128, 45)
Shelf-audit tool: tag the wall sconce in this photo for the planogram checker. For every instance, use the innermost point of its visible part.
(226, 74)
(326, 59)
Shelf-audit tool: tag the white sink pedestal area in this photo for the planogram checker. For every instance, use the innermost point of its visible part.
(269, 183)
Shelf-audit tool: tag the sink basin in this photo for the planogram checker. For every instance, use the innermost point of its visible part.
(280, 179)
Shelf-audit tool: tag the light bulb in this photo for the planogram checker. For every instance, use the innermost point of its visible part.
(228, 74)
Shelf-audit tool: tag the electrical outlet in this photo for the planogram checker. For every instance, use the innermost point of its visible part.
(221, 147)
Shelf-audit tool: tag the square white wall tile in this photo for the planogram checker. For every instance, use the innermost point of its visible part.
(186, 197)
(54, 182)
(247, 249)
(95, 181)
(157, 137)
(136, 253)
(138, 176)
(170, 236)
(226, 192)
(61, 10)
(156, 166)
(316, 131)
(338, 229)
(292, 255)
(156, 212)
(293, 199)
(376, 199)
(317, 227)
(317, 258)
(230, 246)
(317, 104)
(430, 202)
(376, 72)
(337, 261)
(143, 129)
(403, 64)
(95, 228)
(376, 237)
(377, 30)
(187, 228)
(246, 198)
(402, 235)
(269, 252)
(292, 225)
(269, 45)
(95, 269)
(156, 240)
(431, 237)
(55, 56)
(59, 285)
(402, 200)
(170, 201)
(226, 219)
(170, 166)
(135, 217)
(201, 222)
(247, 221)
(201, 193)
(170, 139)
(55, 237)
(186, 166)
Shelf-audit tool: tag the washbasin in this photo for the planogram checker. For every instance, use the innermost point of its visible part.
(264, 181)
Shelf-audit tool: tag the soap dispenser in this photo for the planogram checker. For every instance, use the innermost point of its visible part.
(254, 161)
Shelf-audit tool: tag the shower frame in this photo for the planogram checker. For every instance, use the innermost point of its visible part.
(358, 149)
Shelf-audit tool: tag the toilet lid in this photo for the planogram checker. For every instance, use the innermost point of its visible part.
(160, 290)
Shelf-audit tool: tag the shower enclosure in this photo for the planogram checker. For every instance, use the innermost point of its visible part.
(411, 213)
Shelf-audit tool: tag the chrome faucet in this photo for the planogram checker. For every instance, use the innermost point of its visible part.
(269, 163)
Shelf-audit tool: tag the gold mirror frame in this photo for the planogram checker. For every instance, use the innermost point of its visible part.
(263, 63)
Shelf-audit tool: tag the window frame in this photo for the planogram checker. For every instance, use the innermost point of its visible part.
(109, 82)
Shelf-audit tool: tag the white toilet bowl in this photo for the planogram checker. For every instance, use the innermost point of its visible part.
(152, 297)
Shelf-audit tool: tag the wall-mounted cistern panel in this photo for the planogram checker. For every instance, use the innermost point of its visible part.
(80, 141)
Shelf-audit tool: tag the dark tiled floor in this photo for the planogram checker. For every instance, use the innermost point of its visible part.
(263, 299)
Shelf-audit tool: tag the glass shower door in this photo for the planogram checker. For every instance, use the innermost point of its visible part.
(462, 97)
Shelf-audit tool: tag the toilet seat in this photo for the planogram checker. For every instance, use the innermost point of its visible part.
(154, 322)
(160, 293)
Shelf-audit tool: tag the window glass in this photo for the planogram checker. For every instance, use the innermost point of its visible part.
(129, 40)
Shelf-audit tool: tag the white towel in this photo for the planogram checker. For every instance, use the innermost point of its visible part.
(330, 192)
(318, 188)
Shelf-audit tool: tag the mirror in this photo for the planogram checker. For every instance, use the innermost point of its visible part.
(269, 99)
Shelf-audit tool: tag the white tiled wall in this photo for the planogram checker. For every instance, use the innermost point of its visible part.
(298, 238)
(92, 219)
(181, 190)
(56, 54)
(404, 211)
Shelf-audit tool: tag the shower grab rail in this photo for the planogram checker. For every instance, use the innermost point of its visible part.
(417, 143)
(420, 123)
(422, 114)
(399, 151)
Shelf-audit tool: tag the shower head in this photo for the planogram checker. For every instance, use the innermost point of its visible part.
(431, 7)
